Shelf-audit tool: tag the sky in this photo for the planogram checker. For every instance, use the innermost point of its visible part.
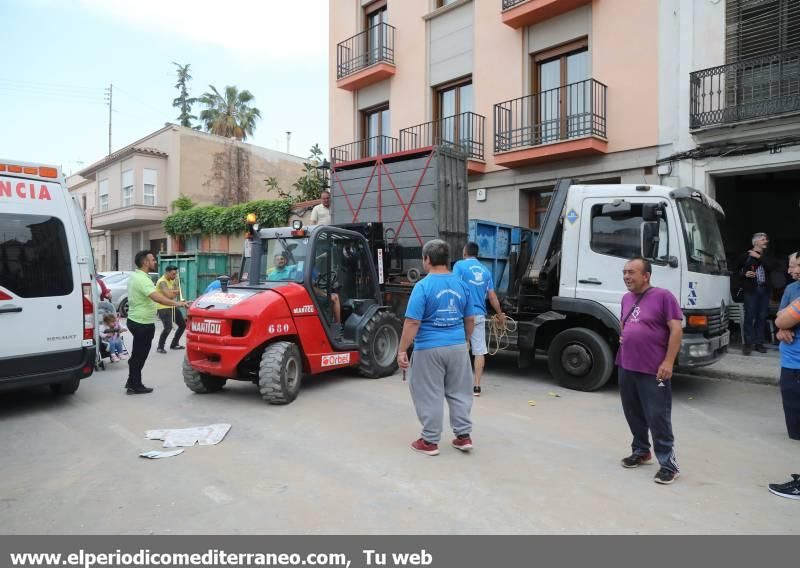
(59, 56)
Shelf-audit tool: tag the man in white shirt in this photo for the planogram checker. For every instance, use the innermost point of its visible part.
(321, 214)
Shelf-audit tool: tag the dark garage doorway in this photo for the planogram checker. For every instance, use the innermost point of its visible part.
(766, 201)
(756, 202)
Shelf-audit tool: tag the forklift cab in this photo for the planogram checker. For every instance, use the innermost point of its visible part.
(333, 264)
(341, 276)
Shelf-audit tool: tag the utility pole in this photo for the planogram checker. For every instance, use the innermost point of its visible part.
(288, 140)
(109, 100)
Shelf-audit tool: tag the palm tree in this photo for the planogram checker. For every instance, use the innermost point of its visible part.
(230, 115)
(183, 101)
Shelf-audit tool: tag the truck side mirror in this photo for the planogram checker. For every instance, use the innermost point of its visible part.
(650, 239)
(619, 209)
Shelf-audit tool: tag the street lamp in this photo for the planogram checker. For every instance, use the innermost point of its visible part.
(324, 172)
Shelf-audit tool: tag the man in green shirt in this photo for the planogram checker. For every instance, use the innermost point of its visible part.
(142, 306)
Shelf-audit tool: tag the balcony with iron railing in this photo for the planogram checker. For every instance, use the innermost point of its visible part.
(365, 58)
(751, 89)
(365, 149)
(465, 131)
(565, 122)
(520, 13)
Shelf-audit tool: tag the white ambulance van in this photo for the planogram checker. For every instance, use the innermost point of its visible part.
(47, 282)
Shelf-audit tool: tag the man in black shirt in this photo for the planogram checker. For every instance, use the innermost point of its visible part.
(754, 271)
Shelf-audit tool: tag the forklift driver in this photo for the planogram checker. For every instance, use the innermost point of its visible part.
(282, 269)
(327, 303)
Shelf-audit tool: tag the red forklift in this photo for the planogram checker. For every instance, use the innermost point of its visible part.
(310, 301)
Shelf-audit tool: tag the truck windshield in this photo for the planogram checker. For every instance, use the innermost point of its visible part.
(284, 259)
(704, 247)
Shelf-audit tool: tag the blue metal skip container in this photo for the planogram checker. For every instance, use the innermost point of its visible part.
(496, 242)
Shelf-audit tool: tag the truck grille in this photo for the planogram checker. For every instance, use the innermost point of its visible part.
(717, 322)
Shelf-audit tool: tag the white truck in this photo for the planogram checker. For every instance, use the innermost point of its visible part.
(566, 290)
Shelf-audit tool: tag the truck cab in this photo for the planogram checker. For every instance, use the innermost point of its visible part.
(573, 287)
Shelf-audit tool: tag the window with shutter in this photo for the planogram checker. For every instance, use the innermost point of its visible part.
(763, 49)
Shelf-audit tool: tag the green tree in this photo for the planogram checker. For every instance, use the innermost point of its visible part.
(183, 102)
(230, 114)
(183, 203)
(310, 184)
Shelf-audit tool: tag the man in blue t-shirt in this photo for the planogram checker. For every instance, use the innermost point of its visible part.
(481, 287)
(439, 319)
(788, 321)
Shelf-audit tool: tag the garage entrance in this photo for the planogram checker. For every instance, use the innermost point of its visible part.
(756, 202)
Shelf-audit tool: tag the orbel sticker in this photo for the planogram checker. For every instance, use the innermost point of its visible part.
(335, 360)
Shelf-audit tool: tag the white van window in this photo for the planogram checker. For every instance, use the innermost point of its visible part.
(34, 256)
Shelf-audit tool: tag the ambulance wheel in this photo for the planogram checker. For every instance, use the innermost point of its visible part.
(280, 373)
(378, 345)
(200, 382)
(580, 359)
(68, 387)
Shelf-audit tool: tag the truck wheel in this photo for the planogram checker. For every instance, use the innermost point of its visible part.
(280, 373)
(200, 382)
(378, 345)
(580, 359)
(68, 387)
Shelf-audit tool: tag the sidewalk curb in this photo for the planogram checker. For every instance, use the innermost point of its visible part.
(711, 373)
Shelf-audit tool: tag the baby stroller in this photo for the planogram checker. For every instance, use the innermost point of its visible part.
(103, 308)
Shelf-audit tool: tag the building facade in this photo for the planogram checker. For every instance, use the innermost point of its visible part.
(730, 112)
(532, 90)
(128, 194)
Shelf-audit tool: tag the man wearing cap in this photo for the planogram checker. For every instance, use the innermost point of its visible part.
(169, 286)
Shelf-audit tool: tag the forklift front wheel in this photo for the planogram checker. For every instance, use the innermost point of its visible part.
(580, 359)
(280, 373)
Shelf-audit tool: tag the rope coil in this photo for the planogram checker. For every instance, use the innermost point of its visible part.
(498, 335)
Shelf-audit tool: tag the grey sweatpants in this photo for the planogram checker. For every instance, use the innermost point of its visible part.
(436, 375)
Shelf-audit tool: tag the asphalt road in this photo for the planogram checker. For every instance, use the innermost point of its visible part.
(337, 460)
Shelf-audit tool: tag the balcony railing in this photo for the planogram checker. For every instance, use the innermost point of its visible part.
(760, 87)
(511, 3)
(572, 111)
(374, 45)
(363, 149)
(465, 131)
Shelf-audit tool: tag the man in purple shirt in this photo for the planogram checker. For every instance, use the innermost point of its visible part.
(652, 324)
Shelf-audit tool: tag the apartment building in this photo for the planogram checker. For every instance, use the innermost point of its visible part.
(128, 194)
(730, 112)
(532, 90)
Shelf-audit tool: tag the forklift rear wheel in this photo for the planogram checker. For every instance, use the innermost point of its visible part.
(200, 382)
(580, 359)
(379, 342)
(280, 373)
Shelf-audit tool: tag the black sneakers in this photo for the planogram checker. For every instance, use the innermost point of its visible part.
(635, 460)
(790, 489)
(161, 350)
(141, 389)
(761, 349)
(476, 391)
(665, 476)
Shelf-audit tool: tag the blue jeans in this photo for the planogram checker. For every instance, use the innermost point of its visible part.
(756, 304)
(115, 345)
(648, 406)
